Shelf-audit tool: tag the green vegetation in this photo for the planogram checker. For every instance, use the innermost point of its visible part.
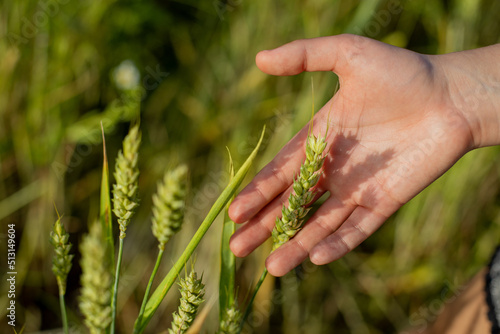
(67, 66)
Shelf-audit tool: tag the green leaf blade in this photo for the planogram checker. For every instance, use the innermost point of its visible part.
(105, 215)
(228, 260)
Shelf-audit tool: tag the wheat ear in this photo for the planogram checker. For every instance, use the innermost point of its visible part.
(126, 175)
(231, 319)
(192, 292)
(169, 204)
(97, 280)
(61, 263)
(303, 193)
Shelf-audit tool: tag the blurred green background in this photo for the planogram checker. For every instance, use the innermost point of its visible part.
(200, 91)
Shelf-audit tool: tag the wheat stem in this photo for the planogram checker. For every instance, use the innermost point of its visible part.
(227, 275)
(150, 284)
(64, 316)
(115, 287)
(250, 304)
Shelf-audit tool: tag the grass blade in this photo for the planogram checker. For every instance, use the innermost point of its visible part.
(218, 206)
(105, 210)
(227, 259)
(250, 303)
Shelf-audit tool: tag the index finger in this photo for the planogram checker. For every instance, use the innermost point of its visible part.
(330, 53)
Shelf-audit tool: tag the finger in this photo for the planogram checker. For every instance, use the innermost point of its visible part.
(258, 229)
(362, 223)
(324, 222)
(316, 54)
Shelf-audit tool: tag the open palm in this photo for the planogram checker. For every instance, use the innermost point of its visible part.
(392, 131)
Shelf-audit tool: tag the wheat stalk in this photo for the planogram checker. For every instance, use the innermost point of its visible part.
(97, 280)
(293, 216)
(168, 213)
(61, 263)
(229, 315)
(125, 198)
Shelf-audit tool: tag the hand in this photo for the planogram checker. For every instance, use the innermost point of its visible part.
(394, 128)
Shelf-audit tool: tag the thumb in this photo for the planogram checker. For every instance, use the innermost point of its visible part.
(316, 54)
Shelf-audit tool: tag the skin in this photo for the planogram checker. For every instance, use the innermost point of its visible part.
(399, 121)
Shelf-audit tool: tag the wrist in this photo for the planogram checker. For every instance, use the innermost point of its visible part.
(473, 84)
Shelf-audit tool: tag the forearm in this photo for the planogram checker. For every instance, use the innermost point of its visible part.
(473, 84)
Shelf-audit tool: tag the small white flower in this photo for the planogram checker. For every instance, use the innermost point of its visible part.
(126, 75)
